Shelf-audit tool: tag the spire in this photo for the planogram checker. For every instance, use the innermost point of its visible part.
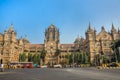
(52, 26)
(11, 28)
(103, 29)
(113, 28)
(94, 29)
(89, 27)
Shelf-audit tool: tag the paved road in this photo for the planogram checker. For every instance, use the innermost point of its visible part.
(61, 74)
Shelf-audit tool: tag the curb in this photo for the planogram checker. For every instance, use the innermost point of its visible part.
(108, 67)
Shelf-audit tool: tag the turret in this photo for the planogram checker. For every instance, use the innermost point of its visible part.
(113, 30)
(20, 41)
(90, 34)
(102, 28)
(52, 33)
(114, 33)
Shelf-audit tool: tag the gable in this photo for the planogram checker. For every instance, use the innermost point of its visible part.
(103, 35)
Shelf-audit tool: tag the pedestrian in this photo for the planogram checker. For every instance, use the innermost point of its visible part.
(2, 67)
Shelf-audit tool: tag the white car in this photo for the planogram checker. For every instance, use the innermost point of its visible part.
(57, 66)
(44, 66)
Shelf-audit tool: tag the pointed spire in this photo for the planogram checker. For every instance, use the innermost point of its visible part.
(11, 27)
(89, 27)
(52, 26)
(103, 29)
(113, 28)
(94, 29)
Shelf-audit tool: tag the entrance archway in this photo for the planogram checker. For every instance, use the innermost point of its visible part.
(1, 61)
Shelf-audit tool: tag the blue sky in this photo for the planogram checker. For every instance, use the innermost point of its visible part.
(32, 17)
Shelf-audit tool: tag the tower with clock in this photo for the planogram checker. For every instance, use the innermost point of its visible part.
(51, 44)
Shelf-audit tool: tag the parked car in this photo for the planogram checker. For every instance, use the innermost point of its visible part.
(44, 66)
(113, 65)
(57, 66)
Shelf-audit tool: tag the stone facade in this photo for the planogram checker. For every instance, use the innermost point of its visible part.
(10, 46)
(51, 44)
(94, 44)
(99, 44)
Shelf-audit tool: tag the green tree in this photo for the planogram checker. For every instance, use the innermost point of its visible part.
(29, 57)
(84, 58)
(105, 59)
(79, 58)
(58, 51)
(43, 54)
(22, 57)
(36, 58)
(70, 57)
(115, 47)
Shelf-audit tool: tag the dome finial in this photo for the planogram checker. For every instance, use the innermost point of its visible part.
(103, 28)
(11, 27)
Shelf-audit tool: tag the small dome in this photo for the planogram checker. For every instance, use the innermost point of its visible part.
(77, 40)
(25, 40)
(52, 26)
(11, 28)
